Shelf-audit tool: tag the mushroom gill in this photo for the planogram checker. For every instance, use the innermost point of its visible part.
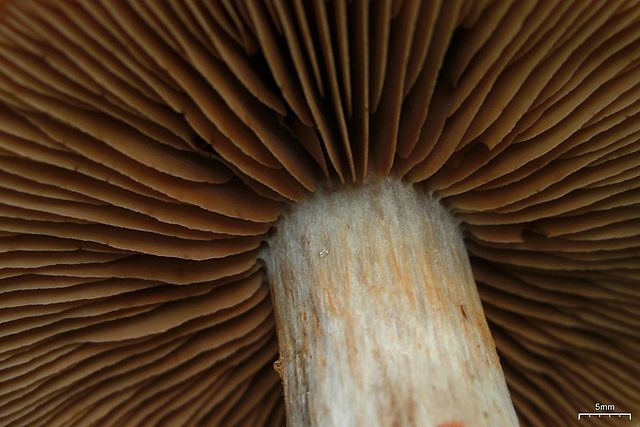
(148, 147)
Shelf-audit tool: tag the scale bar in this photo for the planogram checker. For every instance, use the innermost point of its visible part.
(604, 414)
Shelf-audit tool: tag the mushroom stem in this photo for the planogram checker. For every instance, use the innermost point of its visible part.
(379, 319)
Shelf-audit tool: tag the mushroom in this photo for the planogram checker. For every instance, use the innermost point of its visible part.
(436, 205)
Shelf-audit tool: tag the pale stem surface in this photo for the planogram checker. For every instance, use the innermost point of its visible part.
(378, 316)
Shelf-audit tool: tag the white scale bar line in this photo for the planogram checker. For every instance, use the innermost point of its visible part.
(608, 414)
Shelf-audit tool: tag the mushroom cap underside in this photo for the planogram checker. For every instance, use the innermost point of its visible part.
(146, 147)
